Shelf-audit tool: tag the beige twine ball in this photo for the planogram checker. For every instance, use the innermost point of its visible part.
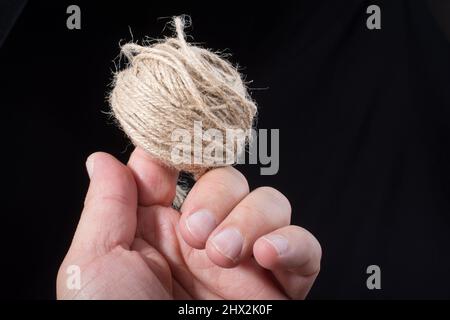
(170, 85)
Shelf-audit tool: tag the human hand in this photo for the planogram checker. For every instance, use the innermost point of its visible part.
(131, 244)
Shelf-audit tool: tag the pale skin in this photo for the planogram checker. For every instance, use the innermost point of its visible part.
(131, 244)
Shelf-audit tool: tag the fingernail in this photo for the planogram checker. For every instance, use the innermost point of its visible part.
(229, 242)
(90, 166)
(200, 224)
(280, 243)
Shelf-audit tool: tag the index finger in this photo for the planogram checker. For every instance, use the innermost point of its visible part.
(212, 197)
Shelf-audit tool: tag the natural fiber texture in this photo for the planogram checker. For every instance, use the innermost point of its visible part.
(170, 85)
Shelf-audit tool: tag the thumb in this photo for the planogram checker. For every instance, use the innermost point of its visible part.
(109, 215)
(156, 182)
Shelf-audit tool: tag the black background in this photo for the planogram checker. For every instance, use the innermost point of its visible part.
(364, 119)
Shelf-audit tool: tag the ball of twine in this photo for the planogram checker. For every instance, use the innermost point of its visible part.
(172, 84)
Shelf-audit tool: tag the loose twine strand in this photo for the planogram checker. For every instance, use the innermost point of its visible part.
(172, 84)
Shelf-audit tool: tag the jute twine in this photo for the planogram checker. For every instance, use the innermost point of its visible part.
(170, 85)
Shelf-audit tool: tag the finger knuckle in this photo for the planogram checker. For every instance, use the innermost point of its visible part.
(278, 199)
(231, 182)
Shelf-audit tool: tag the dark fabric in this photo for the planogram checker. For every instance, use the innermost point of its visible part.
(364, 119)
(9, 11)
